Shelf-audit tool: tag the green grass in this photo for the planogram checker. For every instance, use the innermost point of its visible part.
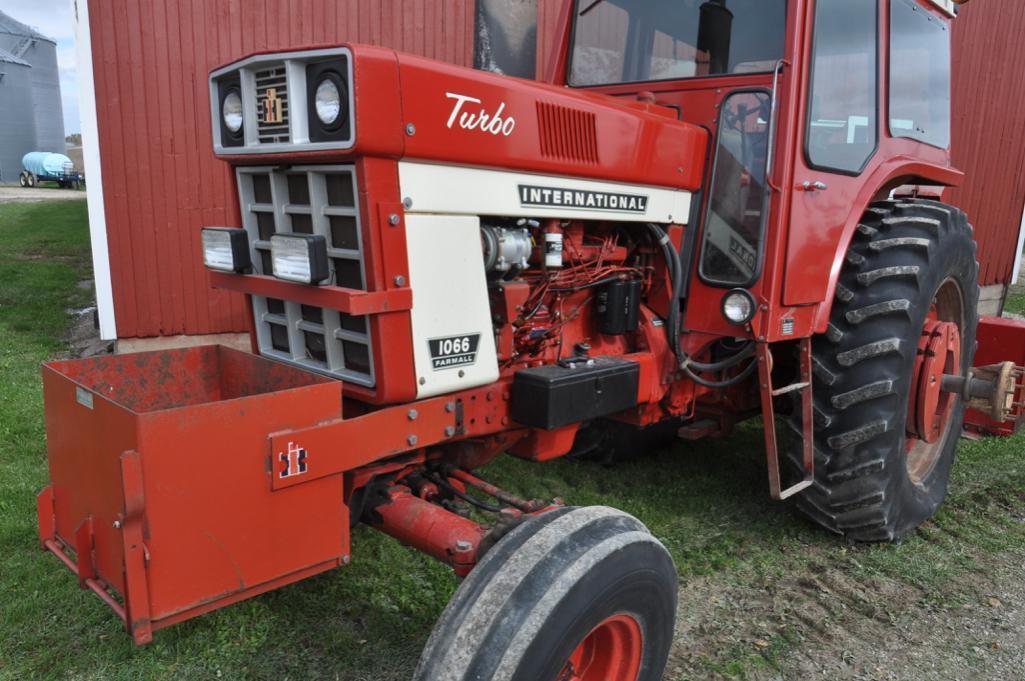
(707, 502)
(1015, 303)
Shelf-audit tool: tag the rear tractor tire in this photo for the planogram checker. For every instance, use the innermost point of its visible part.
(885, 436)
(575, 594)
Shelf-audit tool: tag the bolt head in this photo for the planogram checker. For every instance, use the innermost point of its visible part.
(407, 202)
(346, 559)
(461, 373)
(410, 129)
(393, 219)
(463, 545)
(423, 381)
(412, 414)
(117, 524)
(412, 440)
(450, 431)
(400, 280)
(450, 407)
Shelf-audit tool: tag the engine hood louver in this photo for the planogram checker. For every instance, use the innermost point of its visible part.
(567, 134)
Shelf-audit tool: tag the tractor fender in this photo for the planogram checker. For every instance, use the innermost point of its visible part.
(887, 176)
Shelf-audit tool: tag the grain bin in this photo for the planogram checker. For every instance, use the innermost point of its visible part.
(40, 53)
(17, 121)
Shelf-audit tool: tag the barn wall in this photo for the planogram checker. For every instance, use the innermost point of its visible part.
(989, 129)
(160, 179)
(162, 183)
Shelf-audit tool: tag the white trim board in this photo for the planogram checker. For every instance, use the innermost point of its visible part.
(1016, 274)
(93, 175)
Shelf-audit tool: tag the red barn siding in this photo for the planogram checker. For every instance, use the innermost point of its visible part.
(989, 128)
(161, 181)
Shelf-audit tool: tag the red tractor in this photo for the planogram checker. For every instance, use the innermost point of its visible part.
(714, 210)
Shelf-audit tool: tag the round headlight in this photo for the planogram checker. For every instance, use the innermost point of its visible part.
(738, 306)
(231, 111)
(328, 102)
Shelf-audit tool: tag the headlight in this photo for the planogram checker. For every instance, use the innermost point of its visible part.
(328, 102)
(231, 111)
(301, 258)
(225, 249)
(738, 306)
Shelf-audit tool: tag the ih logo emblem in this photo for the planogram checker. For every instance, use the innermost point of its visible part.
(293, 462)
(273, 107)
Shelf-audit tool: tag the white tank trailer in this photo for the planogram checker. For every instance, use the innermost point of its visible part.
(42, 166)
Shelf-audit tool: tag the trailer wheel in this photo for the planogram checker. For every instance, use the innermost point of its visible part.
(905, 313)
(576, 594)
(32, 179)
(23, 179)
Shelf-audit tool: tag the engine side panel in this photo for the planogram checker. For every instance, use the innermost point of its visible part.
(453, 341)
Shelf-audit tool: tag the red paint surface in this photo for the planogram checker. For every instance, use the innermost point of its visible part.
(161, 180)
(989, 129)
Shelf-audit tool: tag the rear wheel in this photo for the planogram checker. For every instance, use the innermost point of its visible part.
(905, 314)
(32, 179)
(576, 594)
(23, 179)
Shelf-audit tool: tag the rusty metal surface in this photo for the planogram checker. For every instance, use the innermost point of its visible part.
(169, 379)
(160, 480)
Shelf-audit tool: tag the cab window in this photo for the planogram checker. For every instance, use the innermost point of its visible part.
(843, 125)
(622, 41)
(919, 74)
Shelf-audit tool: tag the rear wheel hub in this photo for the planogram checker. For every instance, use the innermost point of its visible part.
(939, 354)
(930, 407)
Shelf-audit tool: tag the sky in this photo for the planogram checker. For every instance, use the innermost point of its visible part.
(53, 18)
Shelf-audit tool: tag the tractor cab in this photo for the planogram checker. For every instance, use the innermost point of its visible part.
(816, 109)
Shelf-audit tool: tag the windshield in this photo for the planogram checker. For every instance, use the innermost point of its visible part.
(625, 41)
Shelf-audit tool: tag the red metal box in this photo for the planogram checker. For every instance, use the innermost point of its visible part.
(999, 340)
(160, 467)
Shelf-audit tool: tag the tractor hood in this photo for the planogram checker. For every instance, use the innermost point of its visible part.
(406, 107)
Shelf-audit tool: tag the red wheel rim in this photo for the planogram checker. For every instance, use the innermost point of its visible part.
(929, 408)
(611, 651)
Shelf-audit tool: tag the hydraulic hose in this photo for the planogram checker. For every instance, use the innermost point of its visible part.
(676, 274)
(676, 279)
(736, 380)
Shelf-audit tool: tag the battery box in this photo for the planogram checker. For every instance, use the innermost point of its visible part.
(575, 390)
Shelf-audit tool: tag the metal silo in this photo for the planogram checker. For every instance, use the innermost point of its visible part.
(27, 44)
(17, 117)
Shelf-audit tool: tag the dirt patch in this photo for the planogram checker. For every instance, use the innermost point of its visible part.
(832, 623)
(16, 194)
(83, 336)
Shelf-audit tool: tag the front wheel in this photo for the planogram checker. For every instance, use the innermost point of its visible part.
(905, 315)
(576, 594)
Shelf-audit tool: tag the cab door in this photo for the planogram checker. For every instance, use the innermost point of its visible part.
(840, 138)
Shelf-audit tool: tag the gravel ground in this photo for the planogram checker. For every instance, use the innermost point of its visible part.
(14, 193)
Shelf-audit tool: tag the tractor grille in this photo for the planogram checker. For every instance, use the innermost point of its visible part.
(309, 200)
(272, 105)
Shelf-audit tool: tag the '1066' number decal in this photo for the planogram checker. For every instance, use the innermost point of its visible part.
(454, 351)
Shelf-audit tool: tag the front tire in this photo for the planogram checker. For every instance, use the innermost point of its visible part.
(581, 594)
(911, 266)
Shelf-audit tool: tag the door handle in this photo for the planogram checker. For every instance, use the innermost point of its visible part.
(816, 186)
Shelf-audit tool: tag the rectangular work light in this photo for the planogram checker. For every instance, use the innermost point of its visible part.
(301, 258)
(226, 249)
